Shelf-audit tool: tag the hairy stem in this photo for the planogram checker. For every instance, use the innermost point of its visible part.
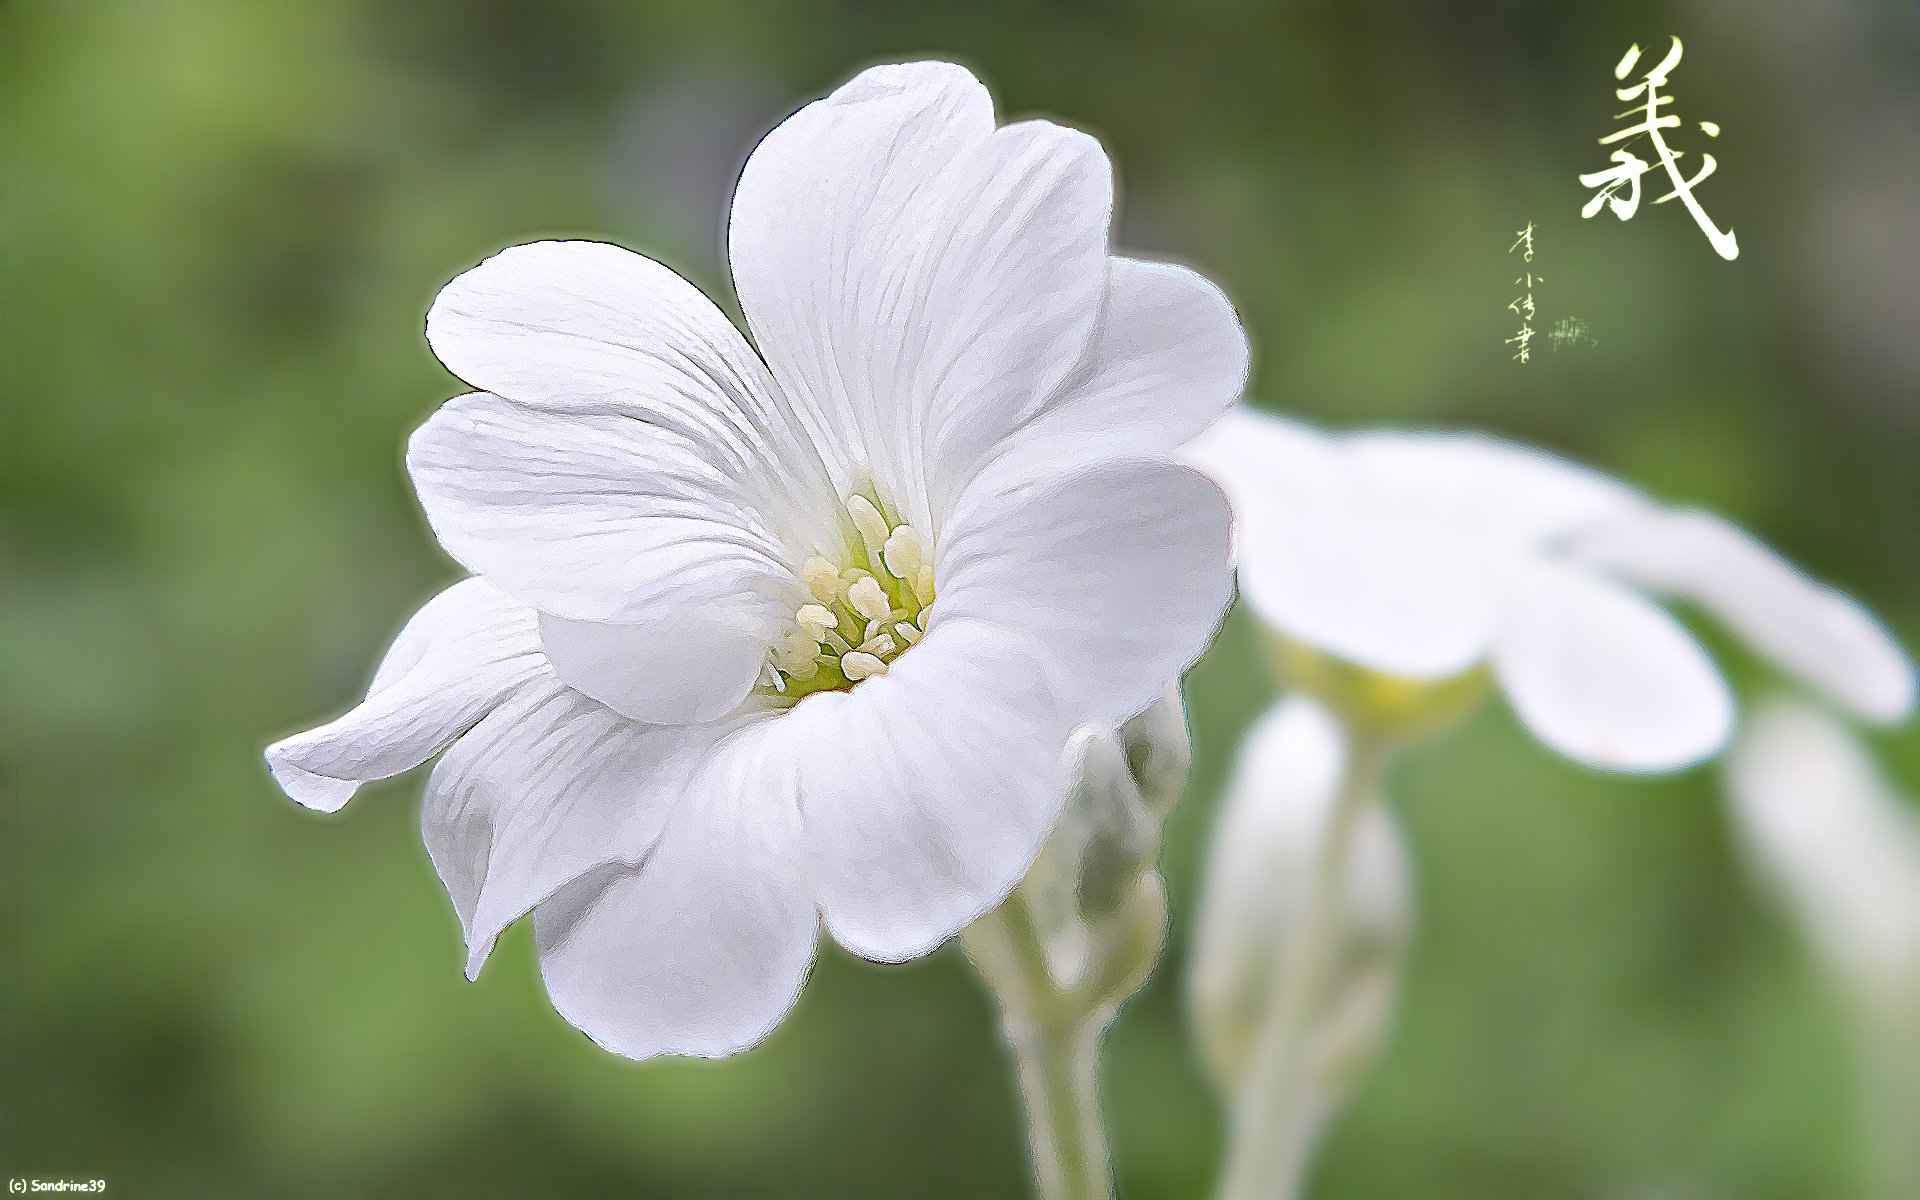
(1054, 1034)
(1056, 1069)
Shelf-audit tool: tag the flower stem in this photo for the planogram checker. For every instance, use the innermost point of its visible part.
(1055, 1038)
(1889, 1044)
(1056, 1070)
(1273, 1115)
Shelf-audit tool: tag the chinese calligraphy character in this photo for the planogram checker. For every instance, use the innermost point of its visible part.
(1522, 306)
(1630, 166)
(1524, 337)
(1567, 331)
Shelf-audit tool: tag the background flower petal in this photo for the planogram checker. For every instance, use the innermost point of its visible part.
(464, 651)
(1485, 487)
(1333, 556)
(1263, 459)
(1816, 633)
(1396, 592)
(1604, 676)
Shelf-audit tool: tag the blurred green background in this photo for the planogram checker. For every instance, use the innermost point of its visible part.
(223, 221)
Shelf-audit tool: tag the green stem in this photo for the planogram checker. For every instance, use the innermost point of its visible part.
(1055, 1039)
(1056, 1070)
(1278, 1104)
(1888, 1034)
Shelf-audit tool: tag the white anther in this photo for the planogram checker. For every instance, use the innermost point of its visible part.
(904, 552)
(867, 519)
(923, 584)
(869, 599)
(908, 633)
(821, 577)
(815, 620)
(881, 645)
(859, 665)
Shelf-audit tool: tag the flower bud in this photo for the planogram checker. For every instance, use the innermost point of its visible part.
(1159, 752)
(1267, 838)
(1095, 895)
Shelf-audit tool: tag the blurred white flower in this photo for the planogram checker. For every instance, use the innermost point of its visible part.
(1268, 840)
(1835, 840)
(702, 693)
(1424, 555)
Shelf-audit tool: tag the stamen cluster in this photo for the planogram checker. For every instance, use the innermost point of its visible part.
(862, 614)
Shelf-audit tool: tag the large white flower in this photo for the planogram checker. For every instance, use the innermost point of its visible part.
(1422, 555)
(700, 693)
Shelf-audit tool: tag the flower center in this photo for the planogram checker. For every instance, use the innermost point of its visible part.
(861, 614)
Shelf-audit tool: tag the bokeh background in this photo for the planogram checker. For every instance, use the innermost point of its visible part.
(223, 221)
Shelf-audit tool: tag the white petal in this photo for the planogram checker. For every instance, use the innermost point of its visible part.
(1834, 838)
(820, 201)
(594, 517)
(1119, 570)
(549, 786)
(704, 946)
(928, 790)
(1487, 488)
(1607, 678)
(1812, 631)
(1170, 356)
(1394, 592)
(922, 280)
(586, 327)
(1342, 566)
(689, 664)
(1266, 461)
(464, 651)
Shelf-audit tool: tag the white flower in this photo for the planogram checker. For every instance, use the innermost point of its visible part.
(1424, 555)
(1836, 840)
(1267, 839)
(701, 693)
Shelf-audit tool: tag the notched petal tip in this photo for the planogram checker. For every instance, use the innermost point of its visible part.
(888, 80)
